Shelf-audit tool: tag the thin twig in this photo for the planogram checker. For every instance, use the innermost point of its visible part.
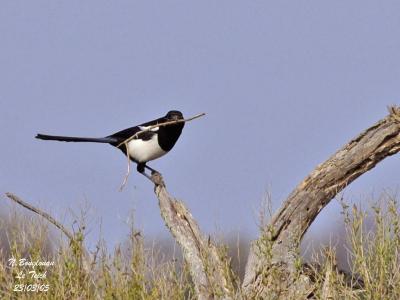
(125, 142)
(127, 172)
(41, 213)
(158, 125)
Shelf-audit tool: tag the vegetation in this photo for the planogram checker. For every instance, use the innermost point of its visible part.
(129, 272)
(133, 271)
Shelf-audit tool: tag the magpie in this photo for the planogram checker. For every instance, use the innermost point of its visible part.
(147, 146)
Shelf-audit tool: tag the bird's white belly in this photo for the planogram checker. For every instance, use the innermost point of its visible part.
(143, 151)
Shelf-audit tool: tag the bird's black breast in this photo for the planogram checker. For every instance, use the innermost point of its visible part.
(168, 135)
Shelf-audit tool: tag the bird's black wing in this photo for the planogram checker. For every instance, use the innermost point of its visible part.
(122, 135)
(154, 122)
(125, 134)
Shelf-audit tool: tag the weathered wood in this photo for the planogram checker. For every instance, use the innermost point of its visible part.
(210, 272)
(290, 223)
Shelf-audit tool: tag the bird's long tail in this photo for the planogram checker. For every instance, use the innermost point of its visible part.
(73, 139)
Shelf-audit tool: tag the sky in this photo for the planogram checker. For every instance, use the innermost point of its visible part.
(284, 84)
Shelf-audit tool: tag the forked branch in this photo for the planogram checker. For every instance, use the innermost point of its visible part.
(290, 223)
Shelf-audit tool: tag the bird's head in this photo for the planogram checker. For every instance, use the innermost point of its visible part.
(174, 115)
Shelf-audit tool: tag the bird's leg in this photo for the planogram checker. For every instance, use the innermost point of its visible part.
(141, 169)
(151, 169)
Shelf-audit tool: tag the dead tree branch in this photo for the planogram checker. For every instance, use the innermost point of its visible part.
(41, 213)
(210, 272)
(75, 240)
(290, 223)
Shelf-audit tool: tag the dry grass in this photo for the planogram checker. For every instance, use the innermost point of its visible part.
(130, 271)
(134, 271)
(373, 253)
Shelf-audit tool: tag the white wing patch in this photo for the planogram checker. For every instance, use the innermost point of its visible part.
(154, 129)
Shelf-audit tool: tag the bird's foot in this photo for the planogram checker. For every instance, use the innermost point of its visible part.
(141, 169)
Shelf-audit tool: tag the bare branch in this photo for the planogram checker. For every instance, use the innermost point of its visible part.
(210, 272)
(41, 213)
(75, 241)
(289, 224)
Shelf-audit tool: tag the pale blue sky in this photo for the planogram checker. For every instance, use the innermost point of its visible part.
(284, 85)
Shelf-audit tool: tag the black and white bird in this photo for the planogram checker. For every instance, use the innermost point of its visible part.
(147, 146)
